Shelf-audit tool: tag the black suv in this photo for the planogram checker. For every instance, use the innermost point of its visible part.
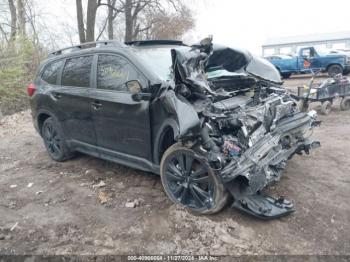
(211, 120)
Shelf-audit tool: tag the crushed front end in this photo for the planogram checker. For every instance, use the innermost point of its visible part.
(249, 126)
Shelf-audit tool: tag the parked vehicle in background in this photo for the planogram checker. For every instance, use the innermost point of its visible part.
(336, 87)
(309, 59)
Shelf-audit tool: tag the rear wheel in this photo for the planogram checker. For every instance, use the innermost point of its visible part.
(189, 181)
(334, 70)
(54, 140)
(345, 104)
(286, 75)
(326, 107)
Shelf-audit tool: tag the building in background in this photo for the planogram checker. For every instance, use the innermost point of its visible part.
(322, 42)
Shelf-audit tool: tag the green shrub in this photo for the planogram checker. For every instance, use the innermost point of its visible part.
(18, 63)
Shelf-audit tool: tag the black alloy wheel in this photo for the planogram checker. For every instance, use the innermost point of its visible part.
(54, 140)
(190, 182)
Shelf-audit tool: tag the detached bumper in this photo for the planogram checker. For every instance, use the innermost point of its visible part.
(264, 206)
(262, 164)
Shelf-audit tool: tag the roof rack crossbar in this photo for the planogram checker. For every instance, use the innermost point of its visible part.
(87, 44)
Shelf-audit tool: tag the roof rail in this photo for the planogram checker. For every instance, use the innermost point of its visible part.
(86, 45)
(154, 42)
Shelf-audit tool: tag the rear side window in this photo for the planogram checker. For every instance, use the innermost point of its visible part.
(77, 71)
(51, 72)
(113, 72)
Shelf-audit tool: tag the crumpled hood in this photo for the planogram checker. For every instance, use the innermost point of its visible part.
(191, 66)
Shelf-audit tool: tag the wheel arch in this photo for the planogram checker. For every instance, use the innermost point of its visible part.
(166, 136)
(41, 117)
(337, 64)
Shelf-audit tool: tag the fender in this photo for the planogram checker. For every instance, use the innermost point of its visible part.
(181, 111)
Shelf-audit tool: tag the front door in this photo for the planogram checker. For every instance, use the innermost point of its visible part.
(122, 125)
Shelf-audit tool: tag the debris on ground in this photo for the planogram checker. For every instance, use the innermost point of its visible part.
(133, 204)
(90, 171)
(38, 192)
(14, 226)
(12, 205)
(30, 185)
(99, 185)
(130, 204)
(102, 197)
(13, 186)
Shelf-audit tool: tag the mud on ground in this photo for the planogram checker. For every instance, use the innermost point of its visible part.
(64, 208)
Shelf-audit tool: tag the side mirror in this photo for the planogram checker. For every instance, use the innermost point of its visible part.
(133, 86)
(135, 89)
(141, 96)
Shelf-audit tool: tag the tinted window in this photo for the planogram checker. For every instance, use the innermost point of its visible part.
(113, 72)
(51, 72)
(76, 72)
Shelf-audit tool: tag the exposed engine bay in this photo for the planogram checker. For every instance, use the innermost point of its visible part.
(240, 118)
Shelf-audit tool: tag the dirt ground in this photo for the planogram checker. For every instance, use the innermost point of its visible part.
(55, 208)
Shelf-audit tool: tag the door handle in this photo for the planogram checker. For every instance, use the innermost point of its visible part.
(96, 105)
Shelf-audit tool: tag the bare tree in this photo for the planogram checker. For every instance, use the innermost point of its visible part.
(13, 24)
(133, 9)
(80, 20)
(87, 32)
(21, 18)
(165, 25)
(90, 19)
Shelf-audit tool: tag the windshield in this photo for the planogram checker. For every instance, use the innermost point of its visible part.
(158, 59)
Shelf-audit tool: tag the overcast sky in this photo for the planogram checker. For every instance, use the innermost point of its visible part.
(245, 23)
(248, 23)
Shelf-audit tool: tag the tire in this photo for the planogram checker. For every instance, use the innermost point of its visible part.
(195, 187)
(345, 104)
(326, 107)
(54, 140)
(334, 70)
(285, 75)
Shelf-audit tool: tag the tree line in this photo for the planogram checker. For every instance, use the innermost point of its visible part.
(125, 20)
(27, 33)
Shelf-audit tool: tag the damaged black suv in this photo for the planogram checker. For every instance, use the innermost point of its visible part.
(211, 120)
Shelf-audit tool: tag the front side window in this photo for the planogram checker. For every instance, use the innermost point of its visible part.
(51, 72)
(113, 72)
(77, 71)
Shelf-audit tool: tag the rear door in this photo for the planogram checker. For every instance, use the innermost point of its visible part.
(122, 125)
(73, 99)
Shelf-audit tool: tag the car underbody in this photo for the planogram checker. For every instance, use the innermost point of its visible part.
(235, 114)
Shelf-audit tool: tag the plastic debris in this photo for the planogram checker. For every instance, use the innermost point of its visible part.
(14, 226)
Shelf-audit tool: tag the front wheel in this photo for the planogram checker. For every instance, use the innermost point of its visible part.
(189, 181)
